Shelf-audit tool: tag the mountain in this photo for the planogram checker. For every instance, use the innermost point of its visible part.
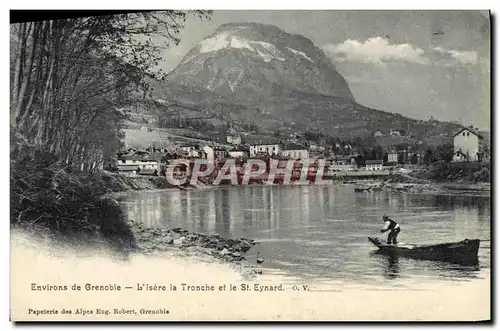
(255, 73)
(252, 62)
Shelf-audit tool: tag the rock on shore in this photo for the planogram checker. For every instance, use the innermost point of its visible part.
(149, 240)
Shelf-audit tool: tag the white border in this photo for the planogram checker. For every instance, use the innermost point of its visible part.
(191, 4)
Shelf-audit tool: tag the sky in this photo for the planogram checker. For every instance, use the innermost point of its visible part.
(416, 63)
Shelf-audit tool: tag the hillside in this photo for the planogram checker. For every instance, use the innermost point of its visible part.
(257, 78)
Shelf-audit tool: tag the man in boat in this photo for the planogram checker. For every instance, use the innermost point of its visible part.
(393, 227)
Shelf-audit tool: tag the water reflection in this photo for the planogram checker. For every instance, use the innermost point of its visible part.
(391, 266)
(321, 230)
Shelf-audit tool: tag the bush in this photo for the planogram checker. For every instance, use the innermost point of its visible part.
(48, 198)
(465, 171)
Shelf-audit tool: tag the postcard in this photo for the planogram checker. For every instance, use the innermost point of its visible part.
(268, 165)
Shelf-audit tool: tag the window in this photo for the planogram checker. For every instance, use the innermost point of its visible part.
(463, 134)
(467, 134)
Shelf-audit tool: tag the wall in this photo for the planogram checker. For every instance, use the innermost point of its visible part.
(373, 167)
(392, 157)
(467, 144)
(269, 149)
(296, 154)
(347, 167)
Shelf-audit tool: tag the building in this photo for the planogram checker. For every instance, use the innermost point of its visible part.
(239, 151)
(136, 164)
(233, 140)
(220, 153)
(264, 148)
(466, 145)
(392, 158)
(458, 156)
(294, 151)
(345, 163)
(372, 165)
(378, 134)
(344, 160)
(190, 150)
(395, 133)
(213, 153)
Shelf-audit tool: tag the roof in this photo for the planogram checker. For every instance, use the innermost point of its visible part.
(374, 162)
(129, 167)
(268, 143)
(136, 158)
(239, 149)
(471, 130)
(349, 157)
(294, 147)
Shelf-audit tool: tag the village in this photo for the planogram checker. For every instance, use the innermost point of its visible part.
(338, 161)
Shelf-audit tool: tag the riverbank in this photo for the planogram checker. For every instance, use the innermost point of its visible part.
(210, 248)
(418, 184)
(71, 207)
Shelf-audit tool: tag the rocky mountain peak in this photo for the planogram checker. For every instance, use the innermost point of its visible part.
(252, 61)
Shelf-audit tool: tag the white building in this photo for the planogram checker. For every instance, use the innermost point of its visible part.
(465, 145)
(239, 151)
(136, 164)
(269, 149)
(392, 157)
(233, 140)
(372, 165)
(190, 150)
(295, 151)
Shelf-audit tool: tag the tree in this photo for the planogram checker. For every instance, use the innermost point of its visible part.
(401, 158)
(360, 160)
(402, 146)
(484, 149)
(376, 153)
(444, 152)
(414, 159)
(71, 78)
(428, 157)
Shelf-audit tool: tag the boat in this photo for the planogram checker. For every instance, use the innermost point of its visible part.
(464, 251)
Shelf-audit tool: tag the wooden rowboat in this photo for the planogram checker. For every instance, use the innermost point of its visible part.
(464, 251)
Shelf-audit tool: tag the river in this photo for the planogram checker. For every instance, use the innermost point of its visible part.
(319, 233)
